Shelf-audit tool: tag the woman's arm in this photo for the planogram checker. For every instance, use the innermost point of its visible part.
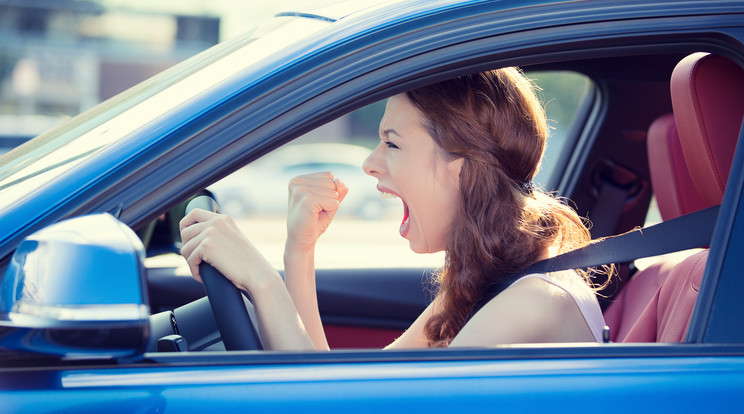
(314, 200)
(288, 315)
(299, 273)
(215, 239)
(415, 336)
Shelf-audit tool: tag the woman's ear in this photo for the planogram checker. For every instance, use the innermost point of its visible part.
(454, 168)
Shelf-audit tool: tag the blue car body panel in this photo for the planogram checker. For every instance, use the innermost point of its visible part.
(340, 63)
(705, 384)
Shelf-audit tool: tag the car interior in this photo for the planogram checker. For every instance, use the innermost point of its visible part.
(701, 86)
(684, 111)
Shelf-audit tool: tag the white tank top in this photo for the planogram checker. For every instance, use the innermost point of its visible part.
(581, 293)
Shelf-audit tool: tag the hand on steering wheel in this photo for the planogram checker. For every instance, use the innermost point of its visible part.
(233, 321)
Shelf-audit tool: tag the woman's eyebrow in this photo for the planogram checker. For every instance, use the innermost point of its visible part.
(387, 132)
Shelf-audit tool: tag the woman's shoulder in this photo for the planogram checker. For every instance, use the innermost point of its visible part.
(540, 294)
(568, 280)
(538, 291)
(564, 283)
(567, 290)
(536, 308)
(531, 311)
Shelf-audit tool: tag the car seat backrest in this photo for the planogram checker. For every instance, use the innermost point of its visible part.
(676, 196)
(708, 101)
(674, 189)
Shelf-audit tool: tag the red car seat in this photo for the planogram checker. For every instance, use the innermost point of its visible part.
(675, 192)
(708, 101)
(676, 196)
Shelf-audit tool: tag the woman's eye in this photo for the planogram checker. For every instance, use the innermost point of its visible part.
(391, 145)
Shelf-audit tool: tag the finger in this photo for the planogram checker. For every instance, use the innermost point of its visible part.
(320, 175)
(329, 205)
(321, 179)
(193, 259)
(318, 192)
(196, 238)
(310, 197)
(189, 239)
(341, 189)
(192, 231)
(195, 216)
(201, 249)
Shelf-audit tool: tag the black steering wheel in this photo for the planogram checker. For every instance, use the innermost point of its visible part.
(233, 321)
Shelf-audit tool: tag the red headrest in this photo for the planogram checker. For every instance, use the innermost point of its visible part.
(670, 179)
(708, 102)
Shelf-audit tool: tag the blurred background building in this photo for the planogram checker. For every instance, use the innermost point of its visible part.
(61, 57)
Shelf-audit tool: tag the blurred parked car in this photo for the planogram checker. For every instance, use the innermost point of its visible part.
(261, 187)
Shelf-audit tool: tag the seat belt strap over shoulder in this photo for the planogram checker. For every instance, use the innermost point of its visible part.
(681, 233)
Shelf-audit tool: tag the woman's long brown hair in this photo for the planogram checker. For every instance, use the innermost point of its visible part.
(495, 122)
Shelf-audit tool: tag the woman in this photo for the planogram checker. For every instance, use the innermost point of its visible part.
(461, 154)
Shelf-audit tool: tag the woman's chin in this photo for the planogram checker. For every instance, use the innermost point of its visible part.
(416, 250)
(423, 248)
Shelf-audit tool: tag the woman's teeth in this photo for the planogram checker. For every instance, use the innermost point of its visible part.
(385, 195)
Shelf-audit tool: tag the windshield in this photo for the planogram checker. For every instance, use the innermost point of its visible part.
(50, 155)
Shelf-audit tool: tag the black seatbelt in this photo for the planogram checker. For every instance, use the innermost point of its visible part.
(681, 233)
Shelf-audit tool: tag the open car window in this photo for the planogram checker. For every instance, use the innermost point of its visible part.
(364, 233)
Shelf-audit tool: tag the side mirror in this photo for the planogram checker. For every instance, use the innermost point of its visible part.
(76, 289)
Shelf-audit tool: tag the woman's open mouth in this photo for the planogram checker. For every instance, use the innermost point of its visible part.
(405, 224)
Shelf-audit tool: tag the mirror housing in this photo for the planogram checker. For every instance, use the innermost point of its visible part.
(76, 289)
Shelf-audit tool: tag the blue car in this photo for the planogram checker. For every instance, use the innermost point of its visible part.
(88, 325)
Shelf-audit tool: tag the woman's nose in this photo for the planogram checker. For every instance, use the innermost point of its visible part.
(371, 164)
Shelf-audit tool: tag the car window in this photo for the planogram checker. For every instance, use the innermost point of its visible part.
(562, 94)
(364, 233)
